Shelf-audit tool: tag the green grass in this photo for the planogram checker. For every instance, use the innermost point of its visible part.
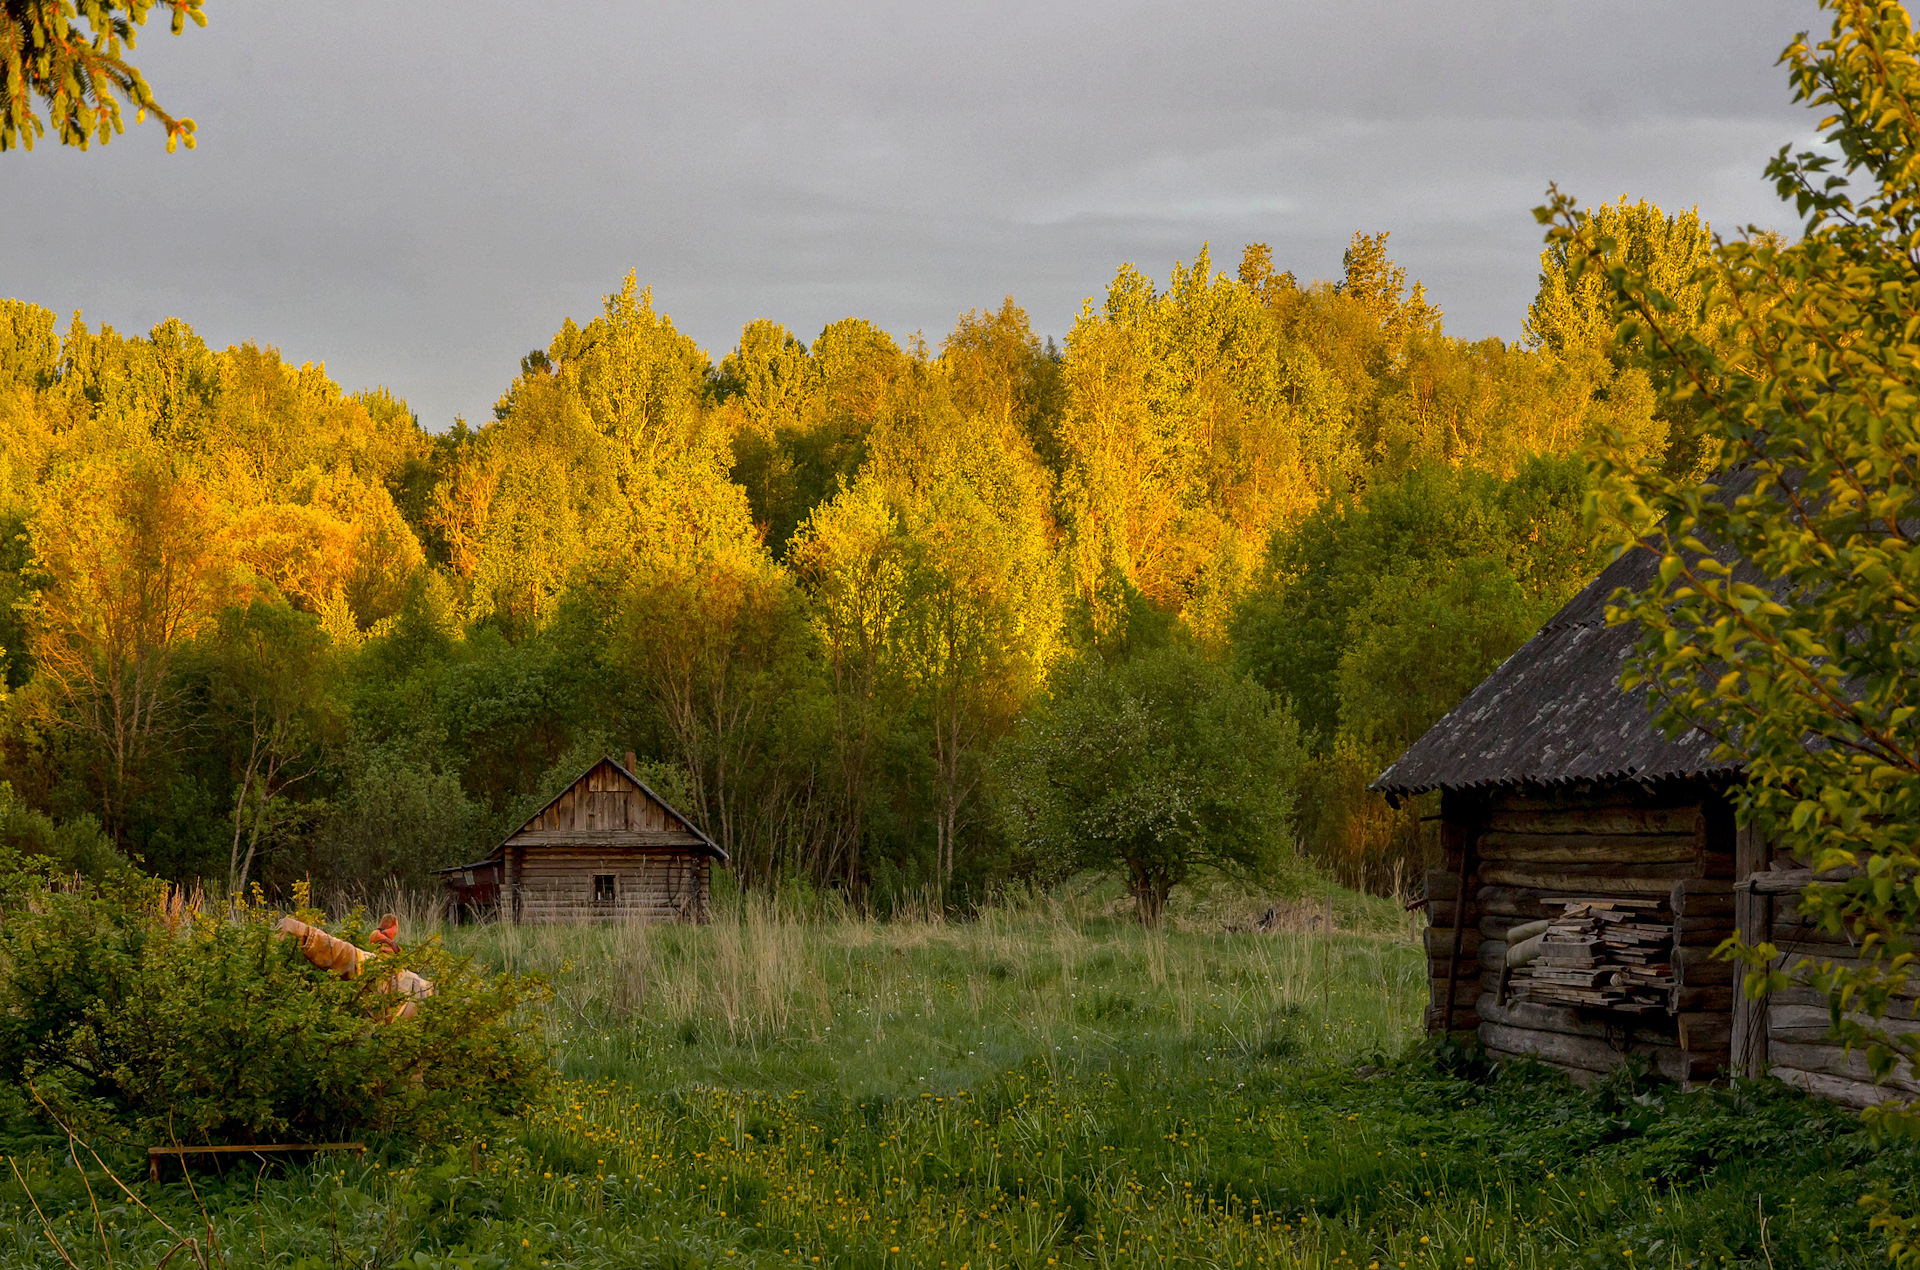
(1043, 1087)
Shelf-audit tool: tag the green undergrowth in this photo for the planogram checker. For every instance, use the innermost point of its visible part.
(1021, 1093)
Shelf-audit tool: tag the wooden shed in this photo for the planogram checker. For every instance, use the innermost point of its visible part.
(606, 846)
(1556, 787)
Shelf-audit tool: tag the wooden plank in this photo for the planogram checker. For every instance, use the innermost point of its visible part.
(157, 1154)
(1615, 820)
(1588, 848)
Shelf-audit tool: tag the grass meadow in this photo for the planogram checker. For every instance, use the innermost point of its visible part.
(1044, 1084)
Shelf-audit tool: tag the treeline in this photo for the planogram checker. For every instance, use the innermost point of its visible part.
(257, 628)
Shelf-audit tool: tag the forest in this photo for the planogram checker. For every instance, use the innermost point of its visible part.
(848, 598)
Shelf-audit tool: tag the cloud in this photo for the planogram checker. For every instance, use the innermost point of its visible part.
(417, 194)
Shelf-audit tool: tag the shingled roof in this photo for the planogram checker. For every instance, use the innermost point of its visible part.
(1554, 712)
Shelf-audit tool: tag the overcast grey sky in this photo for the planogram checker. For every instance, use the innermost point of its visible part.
(418, 193)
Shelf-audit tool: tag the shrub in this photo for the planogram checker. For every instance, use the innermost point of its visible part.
(126, 1015)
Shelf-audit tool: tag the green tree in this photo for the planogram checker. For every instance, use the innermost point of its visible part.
(81, 75)
(1153, 768)
(269, 673)
(1803, 658)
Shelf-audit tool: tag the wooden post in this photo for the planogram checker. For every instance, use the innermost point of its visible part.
(1753, 923)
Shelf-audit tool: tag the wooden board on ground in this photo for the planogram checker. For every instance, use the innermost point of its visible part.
(263, 1150)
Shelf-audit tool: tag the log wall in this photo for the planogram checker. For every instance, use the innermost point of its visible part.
(1797, 1048)
(556, 884)
(1511, 855)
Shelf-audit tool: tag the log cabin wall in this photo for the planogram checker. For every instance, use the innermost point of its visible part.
(1511, 854)
(562, 884)
(1795, 1021)
(607, 848)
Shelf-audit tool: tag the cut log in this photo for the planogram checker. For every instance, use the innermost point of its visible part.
(1440, 941)
(1442, 885)
(1702, 930)
(1700, 897)
(1493, 954)
(1464, 1018)
(1522, 903)
(1653, 1029)
(1701, 1032)
(1692, 998)
(1583, 798)
(1577, 880)
(1809, 1024)
(1848, 1093)
(1588, 1053)
(1588, 848)
(1833, 1060)
(1601, 820)
(1704, 973)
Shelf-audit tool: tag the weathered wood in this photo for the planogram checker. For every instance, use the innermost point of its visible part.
(1523, 903)
(1440, 940)
(1650, 1029)
(1464, 1019)
(1588, 848)
(1588, 1053)
(1493, 954)
(609, 837)
(1614, 820)
(1810, 1024)
(1787, 881)
(1584, 880)
(1442, 885)
(1753, 919)
(1698, 968)
(1702, 930)
(1585, 797)
(1692, 997)
(1848, 1093)
(182, 1154)
(1700, 1031)
(1834, 1060)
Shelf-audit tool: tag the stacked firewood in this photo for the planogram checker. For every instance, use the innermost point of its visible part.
(1613, 954)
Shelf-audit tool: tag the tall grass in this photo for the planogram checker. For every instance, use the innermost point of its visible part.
(1044, 1084)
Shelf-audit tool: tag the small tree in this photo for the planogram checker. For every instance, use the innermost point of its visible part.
(1152, 768)
(1783, 620)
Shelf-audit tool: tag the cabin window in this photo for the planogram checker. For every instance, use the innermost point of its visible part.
(603, 888)
(466, 879)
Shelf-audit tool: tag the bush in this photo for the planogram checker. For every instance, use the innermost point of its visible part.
(77, 846)
(128, 1016)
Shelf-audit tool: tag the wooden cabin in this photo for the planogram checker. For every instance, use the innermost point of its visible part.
(605, 847)
(1557, 787)
(473, 890)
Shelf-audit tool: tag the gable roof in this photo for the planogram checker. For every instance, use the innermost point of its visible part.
(1554, 712)
(681, 828)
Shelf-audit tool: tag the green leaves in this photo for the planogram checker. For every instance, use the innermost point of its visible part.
(1804, 658)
